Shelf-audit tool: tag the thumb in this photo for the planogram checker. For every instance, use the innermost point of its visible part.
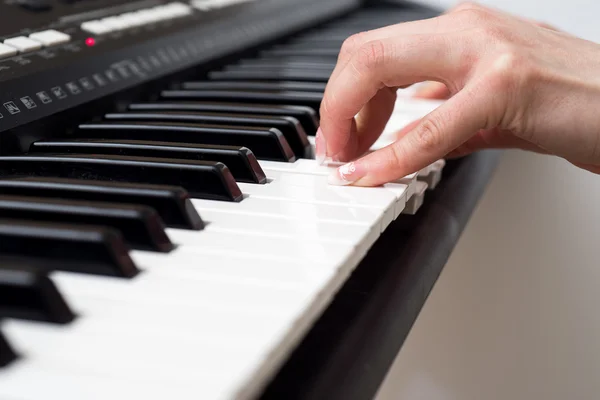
(436, 135)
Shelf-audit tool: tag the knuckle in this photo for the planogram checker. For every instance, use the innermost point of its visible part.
(429, 135)
(510, 67)
(467, 5)
(351, 44)
(475, 15)
(492, 33)
(396, 156)
(371, 55)
(327, 104)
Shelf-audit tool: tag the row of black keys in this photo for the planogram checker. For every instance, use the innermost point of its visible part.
(201, 136)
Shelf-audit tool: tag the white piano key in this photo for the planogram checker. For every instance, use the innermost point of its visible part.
(70, 383)
(253, 245)
(159, 354)
(316, 230)
(318, 183)
(323, 195)
(433, 174)
(413, 205)
(158, 289)
(320, 191)
(232, 268)
(323, 218)
(283, 172)
(294, 210)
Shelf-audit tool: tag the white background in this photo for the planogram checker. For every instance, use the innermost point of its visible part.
(516, 313)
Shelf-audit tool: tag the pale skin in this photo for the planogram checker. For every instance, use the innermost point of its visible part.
(509, 83)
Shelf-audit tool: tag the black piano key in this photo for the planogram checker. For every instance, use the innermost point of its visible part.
(255, 85)
(333, 36)
(7, 354)
(172, 203)
(306, 115)
(326, 63)
(317, 52)
(273, 74)
(310, 48)
(28, 293)
(207, 180)
(74, 248)
(266, 143)
(289, 126)
(308, 99)
(241, 161)
(328, 44)
(313, 40)
(140, 226)
(286, 63)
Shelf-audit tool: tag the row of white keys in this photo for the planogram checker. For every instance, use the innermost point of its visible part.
(308, 178)
(166, 284)
(131, 331)
(306, 221)
(258, 246)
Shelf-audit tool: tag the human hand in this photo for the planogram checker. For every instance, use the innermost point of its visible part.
(510, 83)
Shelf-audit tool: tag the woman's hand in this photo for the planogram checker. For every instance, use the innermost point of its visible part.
(510, 83)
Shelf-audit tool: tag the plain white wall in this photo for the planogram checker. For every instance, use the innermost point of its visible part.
(579, 17)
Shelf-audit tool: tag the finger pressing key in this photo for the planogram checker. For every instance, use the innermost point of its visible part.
(436, 135)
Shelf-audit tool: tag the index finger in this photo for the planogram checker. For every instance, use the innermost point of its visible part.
(390, 62)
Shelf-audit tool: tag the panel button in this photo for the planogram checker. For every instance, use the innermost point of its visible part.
(95, 27)
(50, 37)
(115, 23)
(7, 51)
(23, 44)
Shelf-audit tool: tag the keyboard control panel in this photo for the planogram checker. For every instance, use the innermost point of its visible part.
(55, 55)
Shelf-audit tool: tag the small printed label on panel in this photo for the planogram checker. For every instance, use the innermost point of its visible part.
(123, 71)
(192, 47)
(12, 108)
(22, 61)
(183, 52)
(99, 80)
(73, 88)
(28, 102)
(58, 92)
(112, 75)
(144, 64)
(163, 56)
(47, 54)
(155, 61)
(136, 70)
(173, 54)
(86, 84)
(44, 97)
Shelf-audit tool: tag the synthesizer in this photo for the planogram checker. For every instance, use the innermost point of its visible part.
(165, 231)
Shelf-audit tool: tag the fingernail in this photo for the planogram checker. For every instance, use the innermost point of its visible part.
(320, 147)
(345, 175)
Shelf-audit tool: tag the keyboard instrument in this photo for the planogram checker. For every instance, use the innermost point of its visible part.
(165, 231)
